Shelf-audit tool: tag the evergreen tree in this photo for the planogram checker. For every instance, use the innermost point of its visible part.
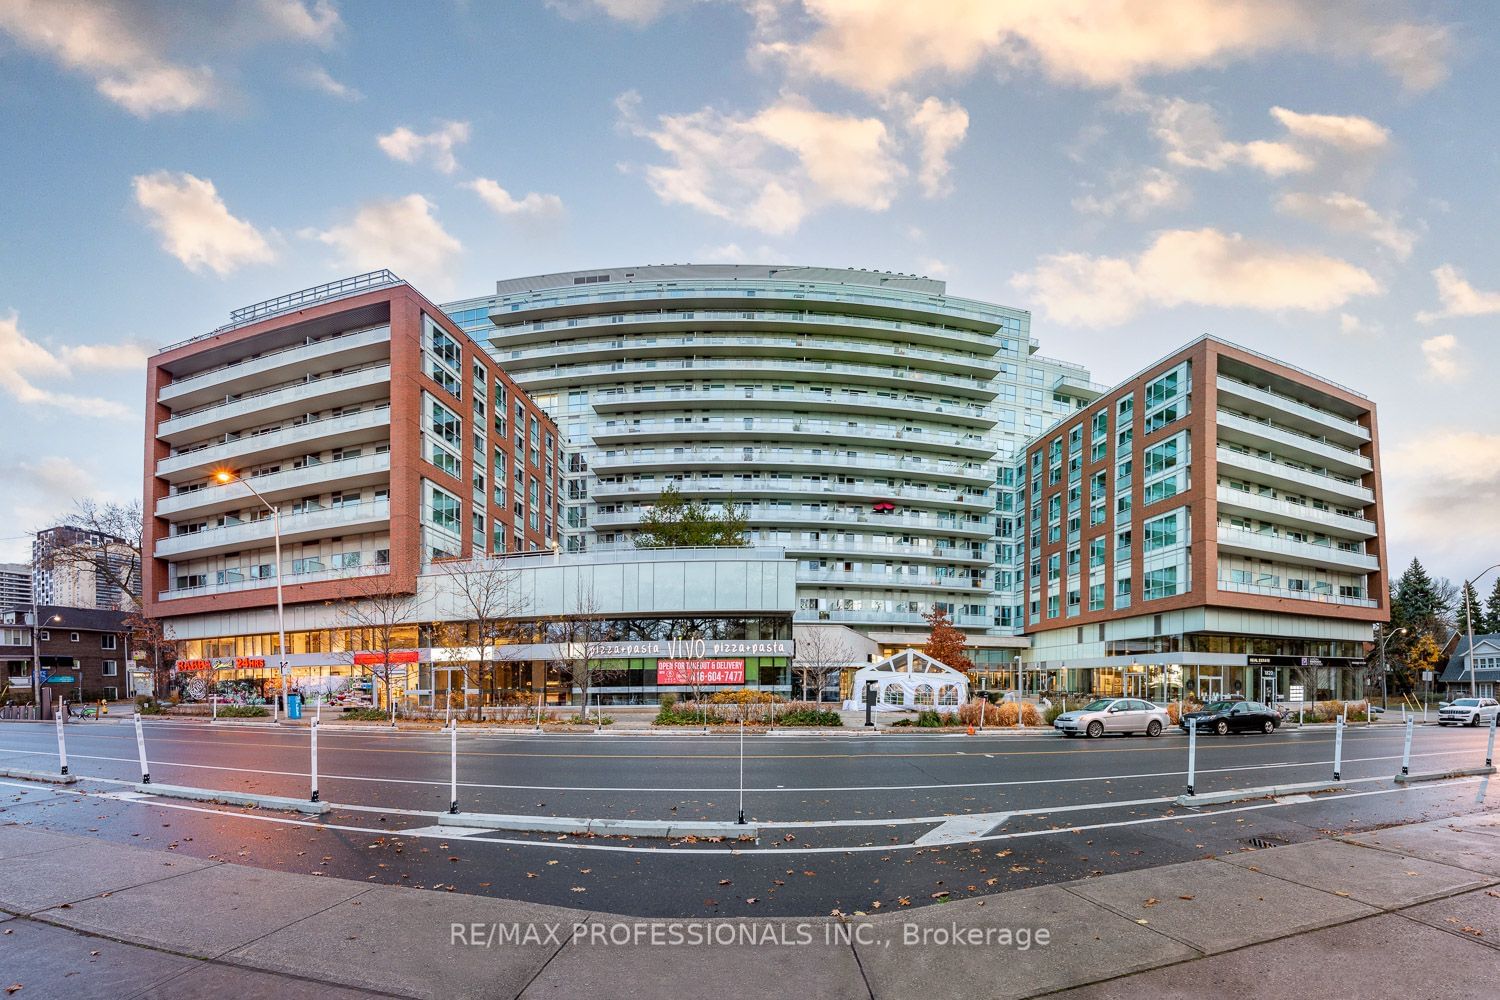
(946, 643)
(1417, 604)
(1469, 607)
(1492, 609)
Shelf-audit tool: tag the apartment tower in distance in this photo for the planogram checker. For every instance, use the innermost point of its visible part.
(863, 419)
(1210, 526)
(384, 434)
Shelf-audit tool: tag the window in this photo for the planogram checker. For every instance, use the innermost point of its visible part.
(1160, 532)
(72, 636)
(442, 509)
(1160, 583)
(44, 634)
(108, 641)
(444, 357)
(110, 668)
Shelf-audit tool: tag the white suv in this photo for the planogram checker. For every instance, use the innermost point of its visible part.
(1469, 712)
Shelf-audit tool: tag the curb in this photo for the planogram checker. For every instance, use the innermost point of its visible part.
(234, 798)
(1266, 791)
(46, 776)
(1463, 772)
(669, 829)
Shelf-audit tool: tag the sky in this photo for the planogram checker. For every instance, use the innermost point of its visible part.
(1313, 179)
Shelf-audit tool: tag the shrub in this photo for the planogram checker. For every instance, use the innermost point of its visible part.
(667, 701)
(1052, 714)
(743, 697)
(809, 717)
(149, 706)
(930, 718)
(243, 712)
(1174, 713)
(364, 715)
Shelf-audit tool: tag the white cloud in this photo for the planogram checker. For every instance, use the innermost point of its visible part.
(195, 225)
(317, 24)
(1441, 483)
(769, 170)
(932, 267)
(1352, 133)
(1191, 136)
(437, 146)
(1459, 298)
(119, 52)
(637, 12)
(319, 78)
(23, 362)
(400, 234)
(1441, 355)
(1203, 267)
(1351, 325)
(1346, 213)
(940, 127)
(1136, 194)
(503, 202)
(880, 46)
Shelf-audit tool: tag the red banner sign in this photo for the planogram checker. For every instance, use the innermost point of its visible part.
(700, 671)
(238, 663)
(394, 656)
(195, 664)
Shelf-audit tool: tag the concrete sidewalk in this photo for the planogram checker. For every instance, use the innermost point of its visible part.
(1415, 905)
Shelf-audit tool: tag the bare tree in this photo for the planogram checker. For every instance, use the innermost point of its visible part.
(116, 557)
(154, 637)
(578, 638)
(821, 655)
(377, 616)
(486, 597)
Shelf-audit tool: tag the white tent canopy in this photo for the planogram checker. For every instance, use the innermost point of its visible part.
(910, 679)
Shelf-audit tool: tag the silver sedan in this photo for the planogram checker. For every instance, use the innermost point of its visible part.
(1113, 715)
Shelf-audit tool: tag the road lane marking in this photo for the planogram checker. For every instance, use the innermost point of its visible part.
(961, 829)
(574, 845)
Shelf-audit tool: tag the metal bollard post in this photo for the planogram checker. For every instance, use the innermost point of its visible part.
(1338, 749)
(140, 745)
(313, 730)
(1406, 752)
(453, 769)
(213, 708)
(1489, 751)
(742, 767)
(62, 744)
(1192, 755)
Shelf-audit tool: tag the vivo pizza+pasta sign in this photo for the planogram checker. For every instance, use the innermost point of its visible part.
(693, 649)
(700, 671)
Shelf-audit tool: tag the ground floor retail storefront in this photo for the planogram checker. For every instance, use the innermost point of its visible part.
(630, 662)
(1170, 677)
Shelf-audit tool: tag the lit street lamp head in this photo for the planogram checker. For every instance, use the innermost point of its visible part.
(224, 476)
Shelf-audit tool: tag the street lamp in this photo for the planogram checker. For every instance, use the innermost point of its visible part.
(225, 476)
(36, 648)
(1385, 694)
(1469, 621)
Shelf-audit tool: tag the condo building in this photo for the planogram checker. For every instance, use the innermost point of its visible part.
(74, 567)
(1210, 526)
(863, 420)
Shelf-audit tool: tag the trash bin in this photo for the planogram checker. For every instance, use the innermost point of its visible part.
(294, 706)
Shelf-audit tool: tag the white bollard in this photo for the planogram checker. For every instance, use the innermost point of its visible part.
(1338, 749)
(140, 745)
(1406, 752)
(62, 744)
(742, 766)
(453, 769)
(213, 707)
(539, 712)
(1489, 752)
(312, 730)
(1192, 755)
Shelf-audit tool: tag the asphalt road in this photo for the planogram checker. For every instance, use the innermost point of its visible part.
(844, 818)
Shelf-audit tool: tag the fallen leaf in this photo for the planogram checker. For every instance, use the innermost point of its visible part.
(1151, 902)
(752, 899)
(1187, 897)
(725, 881)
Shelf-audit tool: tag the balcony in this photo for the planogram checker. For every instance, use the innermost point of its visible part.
(753, 428)
(603, 491)
(889, 618)
(329, 391)
(761, 515)
(682, 459)
(1294, 412)
(368, 426)
(915, 550)
(278, 487)
(1229, 587)
(608, 315)
(353, 349)
(346, 519)
(518, 361)
(289, 580)
(890, 581)
(1262, 546)
(605, 373)
(840, 402)
(1296, 480)
(1327, 521)
(1293, 444)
